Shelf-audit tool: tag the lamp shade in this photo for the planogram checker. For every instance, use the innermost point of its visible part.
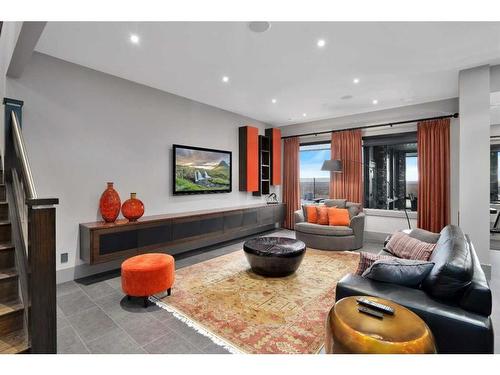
(332, 166)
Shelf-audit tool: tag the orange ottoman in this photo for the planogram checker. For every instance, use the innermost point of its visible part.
(148, 274)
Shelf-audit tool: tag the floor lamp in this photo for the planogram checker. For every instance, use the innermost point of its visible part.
(335, 166)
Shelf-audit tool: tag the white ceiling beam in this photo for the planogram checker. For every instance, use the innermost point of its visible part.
(26, 42)
(495, 78)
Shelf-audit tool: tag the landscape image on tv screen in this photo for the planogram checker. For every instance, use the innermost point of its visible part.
(199, 170)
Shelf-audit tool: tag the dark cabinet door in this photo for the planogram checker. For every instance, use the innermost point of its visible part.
(250, 217)
(158, 234)
(110, 243)
(233, 220)
(266, 215)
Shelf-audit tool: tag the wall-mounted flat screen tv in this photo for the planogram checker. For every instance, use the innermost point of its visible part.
(201, 170)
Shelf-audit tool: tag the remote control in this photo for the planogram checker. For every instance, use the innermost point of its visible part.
(376, 306)
(367, 311)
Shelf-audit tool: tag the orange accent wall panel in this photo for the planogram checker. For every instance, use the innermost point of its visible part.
(275, 138)
(249, 158)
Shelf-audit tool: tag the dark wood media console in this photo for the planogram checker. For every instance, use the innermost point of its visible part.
(174, 233)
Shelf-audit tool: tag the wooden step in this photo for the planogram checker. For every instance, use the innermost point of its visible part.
(7, 255)
(3, 194)
(14, 343)
(8, 285)
(11, 317)
(4, 211)
(5, 231)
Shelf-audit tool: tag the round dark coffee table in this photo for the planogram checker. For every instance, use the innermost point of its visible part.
(274, 256)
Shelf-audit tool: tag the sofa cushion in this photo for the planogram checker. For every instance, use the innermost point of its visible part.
(338, 216)
(324, 230)
(406, 272)
(367, 259)
(304, 209)
(453, 266)
(385, 252)
(322, 215)
(340, 203)
(406, 247)
(311, 213)
(353, 208)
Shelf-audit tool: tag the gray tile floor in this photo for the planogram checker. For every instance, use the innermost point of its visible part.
(94, 316)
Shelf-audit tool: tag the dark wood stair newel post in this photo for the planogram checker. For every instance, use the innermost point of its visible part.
(42, 285)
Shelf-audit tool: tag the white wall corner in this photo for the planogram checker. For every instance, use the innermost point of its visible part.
(474, 162)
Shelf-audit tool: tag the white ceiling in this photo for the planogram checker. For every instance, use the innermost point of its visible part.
(397, 63)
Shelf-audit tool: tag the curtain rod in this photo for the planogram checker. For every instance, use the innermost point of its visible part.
(455, 115)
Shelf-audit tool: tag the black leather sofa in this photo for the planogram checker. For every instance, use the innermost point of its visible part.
(454, 299)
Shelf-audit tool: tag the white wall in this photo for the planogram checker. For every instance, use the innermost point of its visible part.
(83, 128)
(474, 168)
(380, 223)
(8, 39)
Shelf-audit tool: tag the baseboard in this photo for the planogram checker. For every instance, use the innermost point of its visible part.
(377, 237)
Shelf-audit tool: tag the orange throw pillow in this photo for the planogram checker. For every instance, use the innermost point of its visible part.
(322, 215)
(312, 214)
(338, 217)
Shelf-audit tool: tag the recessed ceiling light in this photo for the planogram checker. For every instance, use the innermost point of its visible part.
(274, 101)
(225, 79)
(134, 38)
(259, 26)
(304, 114)
(374, 101)
(355, 81)
(321, 43)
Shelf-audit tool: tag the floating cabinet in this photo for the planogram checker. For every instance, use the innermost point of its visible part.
(249, 158)
(176, 233)
(274, 136)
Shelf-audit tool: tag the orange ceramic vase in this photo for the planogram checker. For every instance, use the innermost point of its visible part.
(109, 204)
(132, 208)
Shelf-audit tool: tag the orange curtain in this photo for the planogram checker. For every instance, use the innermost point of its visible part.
(346, 146)
(291, 191)
(434, 174)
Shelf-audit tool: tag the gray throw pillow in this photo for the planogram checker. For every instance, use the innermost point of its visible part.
(405, 272)
(340, 203)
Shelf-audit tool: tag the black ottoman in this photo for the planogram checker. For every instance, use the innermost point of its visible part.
(274, 256)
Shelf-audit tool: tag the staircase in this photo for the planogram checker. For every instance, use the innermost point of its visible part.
(13, 335)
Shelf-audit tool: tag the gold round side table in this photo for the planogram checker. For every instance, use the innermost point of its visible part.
(349, 331)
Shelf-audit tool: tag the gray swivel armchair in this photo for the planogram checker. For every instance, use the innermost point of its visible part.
(326, 237)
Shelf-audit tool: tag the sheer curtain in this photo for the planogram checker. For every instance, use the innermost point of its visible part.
(291, 187)
(346, 146)
(434, 174)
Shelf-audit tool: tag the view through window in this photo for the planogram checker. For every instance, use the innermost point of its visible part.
(494, 173)
(391, 172)
(314, 183)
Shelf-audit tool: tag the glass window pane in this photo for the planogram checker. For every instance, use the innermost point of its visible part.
(314, 183)
(391, 175)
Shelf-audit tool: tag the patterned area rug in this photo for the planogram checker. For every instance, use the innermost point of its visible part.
(247, 313)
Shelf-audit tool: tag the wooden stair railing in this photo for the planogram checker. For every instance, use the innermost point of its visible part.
(29, 233)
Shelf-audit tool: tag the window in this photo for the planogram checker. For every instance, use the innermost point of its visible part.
(494, 173)
(314, 183)
(390, 171)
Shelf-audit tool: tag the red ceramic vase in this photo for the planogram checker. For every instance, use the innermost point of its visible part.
(132, 208)
(109, 204)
